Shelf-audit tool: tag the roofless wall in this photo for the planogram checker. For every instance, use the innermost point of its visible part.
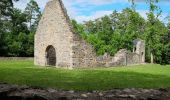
(57, 45)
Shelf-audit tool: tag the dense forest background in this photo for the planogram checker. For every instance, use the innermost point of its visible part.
(17, 28)
(107, 34)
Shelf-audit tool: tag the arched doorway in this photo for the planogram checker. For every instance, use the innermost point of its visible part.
(50, 56)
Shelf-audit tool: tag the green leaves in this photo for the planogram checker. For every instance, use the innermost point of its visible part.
(118, 30)
(112, 33)
(17, 28)
(155, 31)
(132, 4)
(33, 15)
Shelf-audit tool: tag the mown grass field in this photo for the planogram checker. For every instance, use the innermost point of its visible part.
(140, 76)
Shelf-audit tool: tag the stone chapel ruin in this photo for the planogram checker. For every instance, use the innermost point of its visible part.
(57, 45)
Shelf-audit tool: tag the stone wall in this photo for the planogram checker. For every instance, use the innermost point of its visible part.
(132, 58)
(18, 92)
(125, 57)
(139, 48)
(83, 53)
(71, 50)
(54, 30)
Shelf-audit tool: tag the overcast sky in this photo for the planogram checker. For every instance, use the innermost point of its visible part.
(83, 10)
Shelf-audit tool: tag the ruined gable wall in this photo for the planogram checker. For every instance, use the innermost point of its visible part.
(54, 30)
(83, 53)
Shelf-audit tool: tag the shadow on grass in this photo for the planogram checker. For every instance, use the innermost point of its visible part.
(85, 80)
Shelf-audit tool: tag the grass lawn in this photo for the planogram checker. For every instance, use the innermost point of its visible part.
(141, 76)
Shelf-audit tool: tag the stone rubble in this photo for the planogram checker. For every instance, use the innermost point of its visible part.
(14, 92)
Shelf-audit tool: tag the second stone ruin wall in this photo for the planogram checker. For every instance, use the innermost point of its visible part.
(132, 58)
(84, 55)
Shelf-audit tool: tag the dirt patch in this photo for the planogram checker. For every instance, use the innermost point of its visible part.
(14, 92)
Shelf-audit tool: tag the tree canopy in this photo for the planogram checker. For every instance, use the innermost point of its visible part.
(117, 31)
(17, 28)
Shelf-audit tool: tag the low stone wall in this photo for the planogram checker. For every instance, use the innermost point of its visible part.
(121, 58)
(125, 57)
(84, 56)
(14, 92)
(132, 58)
(16, 58)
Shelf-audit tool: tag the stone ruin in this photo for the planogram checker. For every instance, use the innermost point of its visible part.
(56, 44)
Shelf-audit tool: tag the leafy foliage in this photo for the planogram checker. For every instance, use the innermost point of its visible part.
(33, 15)
(117, 31)
(114, 32)
(17, 38)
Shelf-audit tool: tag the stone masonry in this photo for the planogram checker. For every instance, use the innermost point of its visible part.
(54, 30)
(56, 44)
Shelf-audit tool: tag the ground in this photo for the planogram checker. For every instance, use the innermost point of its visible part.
(23, 72)
(14, 92)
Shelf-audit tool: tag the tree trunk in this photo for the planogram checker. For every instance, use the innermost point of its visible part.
(151, 58)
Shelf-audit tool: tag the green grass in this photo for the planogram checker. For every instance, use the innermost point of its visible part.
(141, 76)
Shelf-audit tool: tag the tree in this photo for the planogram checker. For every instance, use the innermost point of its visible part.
(17, 30)
(6, 10)
(166, 50)
(132, 4)
(33, 15)
(16, 36)
(129, 26)
(18, 22)
(6, 7)
(90, 27)
(30, 45)
(116, 31)
(152, 34)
